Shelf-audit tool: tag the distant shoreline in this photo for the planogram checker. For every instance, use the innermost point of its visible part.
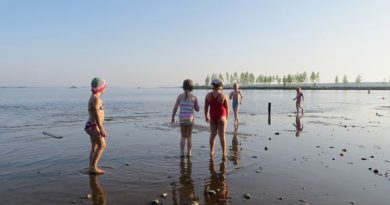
(354, 86)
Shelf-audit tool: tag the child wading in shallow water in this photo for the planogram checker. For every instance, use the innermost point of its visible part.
(187, 103)
(219, 110)
(94, 126)
(299, 98)
(236, 97)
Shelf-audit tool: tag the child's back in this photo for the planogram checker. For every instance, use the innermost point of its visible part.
(187, 105)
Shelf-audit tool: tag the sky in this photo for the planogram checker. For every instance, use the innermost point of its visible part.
(154, 43)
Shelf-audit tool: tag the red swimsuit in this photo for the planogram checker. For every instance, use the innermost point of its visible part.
(217, 109)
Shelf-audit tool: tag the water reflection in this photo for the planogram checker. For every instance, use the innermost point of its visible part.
(235, 150)
(186, 188)
(216, 189)
(99, 197)
(298, 126)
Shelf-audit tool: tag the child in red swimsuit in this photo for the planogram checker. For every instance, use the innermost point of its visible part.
(219, 111)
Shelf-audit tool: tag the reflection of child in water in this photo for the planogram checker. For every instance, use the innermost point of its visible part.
(99, 197)
(186, 190)
(235, 157)
(298, 126)
(299, 99)
(217, 183)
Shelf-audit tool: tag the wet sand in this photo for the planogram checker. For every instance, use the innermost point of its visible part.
(321, 166)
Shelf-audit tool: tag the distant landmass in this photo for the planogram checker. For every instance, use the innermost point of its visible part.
(317, 86)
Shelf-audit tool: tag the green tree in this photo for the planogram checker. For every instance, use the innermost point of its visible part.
(278, 79)
(345, 80)
(242, 78)
(207, 81)
(284, 81)
(336, 79)
(252, 78)
(220, 76)
(312, 77)
(214, 76)
(258, 79)
(227, 78)
(289, 79)
(358, 79)
(317, 77)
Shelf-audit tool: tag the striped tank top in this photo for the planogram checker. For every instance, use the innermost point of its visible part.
(186, 115)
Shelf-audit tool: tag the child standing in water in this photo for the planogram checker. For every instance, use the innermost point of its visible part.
(236, 97)
(299, 98)
(187, 103)
(94, 126)
(219, 111)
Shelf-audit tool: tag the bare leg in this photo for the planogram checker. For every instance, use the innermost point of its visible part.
(94, 147)
(101, 142)
(183, 139)
(221, 134)
(189, 140)
(235, 116)
(213, 134)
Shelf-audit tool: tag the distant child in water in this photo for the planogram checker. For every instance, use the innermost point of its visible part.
(219, 111)
(236, 97)
(187, 103)
(299, 99)
(94, 126)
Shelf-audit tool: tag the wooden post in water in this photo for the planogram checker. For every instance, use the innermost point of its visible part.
(269, 113)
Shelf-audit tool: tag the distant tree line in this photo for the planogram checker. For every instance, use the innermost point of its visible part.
(247, 78)
(345, 79)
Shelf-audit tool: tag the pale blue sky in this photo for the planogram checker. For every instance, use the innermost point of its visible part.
(160, 43)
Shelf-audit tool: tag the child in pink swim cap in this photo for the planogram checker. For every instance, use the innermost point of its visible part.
(94, 126)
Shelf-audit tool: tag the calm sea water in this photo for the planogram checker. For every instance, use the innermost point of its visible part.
(322, 164)
(39, 108)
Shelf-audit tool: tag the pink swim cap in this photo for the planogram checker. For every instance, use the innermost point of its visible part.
(98, 85)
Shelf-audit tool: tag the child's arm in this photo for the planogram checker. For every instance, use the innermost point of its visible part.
(226, 105)
(206, 109)
(196, 105)
(242, 97)
(175, 109)
(96, 106)
(303, 99)
(230, 95)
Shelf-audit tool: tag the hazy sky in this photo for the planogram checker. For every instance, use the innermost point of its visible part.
(160, 43)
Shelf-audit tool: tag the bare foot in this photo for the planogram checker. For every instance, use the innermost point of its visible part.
(189, 154)
(96, 171)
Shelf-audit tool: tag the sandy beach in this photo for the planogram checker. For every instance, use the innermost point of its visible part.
(341, 156)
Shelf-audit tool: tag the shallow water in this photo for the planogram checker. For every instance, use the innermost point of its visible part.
(141, 160)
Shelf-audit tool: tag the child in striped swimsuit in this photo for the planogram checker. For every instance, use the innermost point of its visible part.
(187, 103)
